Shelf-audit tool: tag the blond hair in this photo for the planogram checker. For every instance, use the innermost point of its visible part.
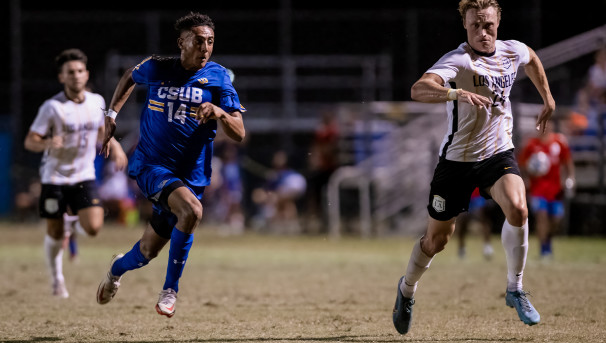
(465, 5)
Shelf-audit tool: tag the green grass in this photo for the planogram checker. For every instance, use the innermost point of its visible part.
(256, 288)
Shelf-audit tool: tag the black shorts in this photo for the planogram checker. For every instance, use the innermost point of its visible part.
(54, 199)
(453, 182)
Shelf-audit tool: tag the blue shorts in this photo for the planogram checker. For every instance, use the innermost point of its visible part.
(553, 208)
(157, 183)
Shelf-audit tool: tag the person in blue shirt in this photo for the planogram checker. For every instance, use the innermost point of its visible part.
(186, 98)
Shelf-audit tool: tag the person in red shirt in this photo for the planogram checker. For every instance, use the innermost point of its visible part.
(323, 161)
(542, 159)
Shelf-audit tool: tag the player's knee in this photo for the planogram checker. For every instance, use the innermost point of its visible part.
(433, 244)
(190, 215)
(92, 229)
(517, 214)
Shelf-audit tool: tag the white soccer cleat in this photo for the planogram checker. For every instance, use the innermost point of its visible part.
(166, 302)
(110, 284)
(59, 289)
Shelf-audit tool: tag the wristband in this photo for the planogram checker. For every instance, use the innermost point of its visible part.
(111, 113)
(452, 94)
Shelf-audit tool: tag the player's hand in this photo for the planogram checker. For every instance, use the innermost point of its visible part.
(55, 142)
(119, 158)
(207, 111)
(545, 115)
(55, 146)
(110, 128)
(473, 98)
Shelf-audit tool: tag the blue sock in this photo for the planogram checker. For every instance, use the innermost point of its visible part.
(546, 248)
(73, 246)
(180, 243)
(132, 260)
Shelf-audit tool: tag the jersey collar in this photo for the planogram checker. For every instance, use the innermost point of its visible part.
(485, 54)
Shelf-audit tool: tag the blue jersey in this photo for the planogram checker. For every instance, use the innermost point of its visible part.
(170, 136)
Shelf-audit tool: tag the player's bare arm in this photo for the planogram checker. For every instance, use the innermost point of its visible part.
(232, 123)
(535, 71)
(121, 93)
(117, 154)
(35, 142)
(429, 88)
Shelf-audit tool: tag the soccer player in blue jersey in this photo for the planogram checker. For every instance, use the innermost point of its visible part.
(186, 98)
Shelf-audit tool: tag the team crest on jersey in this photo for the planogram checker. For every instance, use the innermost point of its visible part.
(506, 62)
(438, 204)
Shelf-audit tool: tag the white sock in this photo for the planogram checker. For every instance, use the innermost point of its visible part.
(515, 243)
(417, 265)
(68, 223)
(53, 250)
(79, 229)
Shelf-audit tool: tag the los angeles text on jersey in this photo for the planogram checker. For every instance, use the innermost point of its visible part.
(502, 81)
(71, 128)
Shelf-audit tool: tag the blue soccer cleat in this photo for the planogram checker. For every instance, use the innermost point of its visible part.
(402, 311)
(526, 311)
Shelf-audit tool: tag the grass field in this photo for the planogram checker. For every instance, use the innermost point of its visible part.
(255, 288)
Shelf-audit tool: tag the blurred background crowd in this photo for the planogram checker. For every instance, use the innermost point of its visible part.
(334, 143)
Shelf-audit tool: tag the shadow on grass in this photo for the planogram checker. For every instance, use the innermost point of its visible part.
(341, 338)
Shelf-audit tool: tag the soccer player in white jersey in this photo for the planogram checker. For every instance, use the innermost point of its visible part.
(67, 128)
(475, 81)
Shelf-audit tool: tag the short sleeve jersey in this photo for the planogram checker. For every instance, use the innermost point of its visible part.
(170, 136)
(78, 124)
(475, 133)
(556, 147)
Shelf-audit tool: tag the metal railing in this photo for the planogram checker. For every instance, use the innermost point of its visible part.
(285, 93)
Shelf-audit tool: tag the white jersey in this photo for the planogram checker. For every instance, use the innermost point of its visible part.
(475, 133)
(78, 125)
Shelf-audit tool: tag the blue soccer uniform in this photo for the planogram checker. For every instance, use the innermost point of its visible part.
(173, 145)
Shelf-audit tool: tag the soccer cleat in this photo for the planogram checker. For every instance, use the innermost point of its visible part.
(110, 284)
(59, 289)
(402, 311)
(526, 311)
(166, 302)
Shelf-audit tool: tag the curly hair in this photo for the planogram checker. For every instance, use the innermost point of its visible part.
(193, 19)
(70, 55)
(465, 5)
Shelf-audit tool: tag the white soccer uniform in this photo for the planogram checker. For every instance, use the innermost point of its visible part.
(475, 133)
(79, 125)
